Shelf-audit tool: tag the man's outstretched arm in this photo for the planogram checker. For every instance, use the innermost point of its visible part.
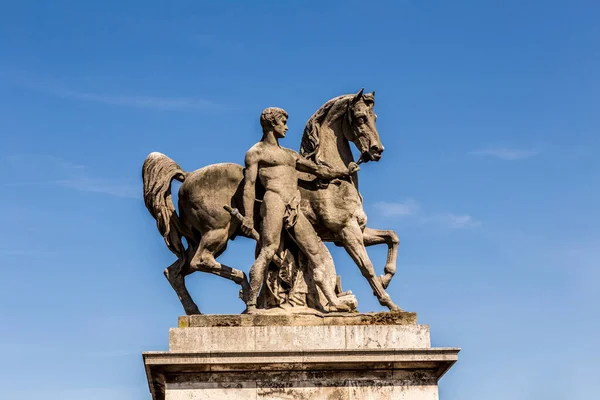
(323, 171)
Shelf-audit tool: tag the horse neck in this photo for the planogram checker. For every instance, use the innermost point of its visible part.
(335, 149)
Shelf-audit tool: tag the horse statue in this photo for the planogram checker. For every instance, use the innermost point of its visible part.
(334, 208)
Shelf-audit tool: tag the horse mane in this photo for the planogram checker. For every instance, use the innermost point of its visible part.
(309, 147)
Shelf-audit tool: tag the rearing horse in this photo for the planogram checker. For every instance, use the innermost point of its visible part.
(334, 208)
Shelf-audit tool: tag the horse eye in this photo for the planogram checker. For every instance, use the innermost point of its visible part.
(361, 120)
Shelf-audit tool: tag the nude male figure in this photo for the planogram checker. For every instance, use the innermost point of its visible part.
(276, 168)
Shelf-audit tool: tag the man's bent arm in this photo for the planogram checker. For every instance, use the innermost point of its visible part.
(250, 175)
(321, 171)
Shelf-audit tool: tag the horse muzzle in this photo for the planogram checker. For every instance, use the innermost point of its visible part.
(373, 154)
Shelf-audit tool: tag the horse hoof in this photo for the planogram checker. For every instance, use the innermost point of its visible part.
(384, 280)
(386, 301)
(195, 311)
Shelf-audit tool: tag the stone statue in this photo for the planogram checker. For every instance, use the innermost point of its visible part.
(277, 167)
(214, 199)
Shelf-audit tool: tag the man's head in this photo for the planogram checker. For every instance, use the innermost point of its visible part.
(274, 119)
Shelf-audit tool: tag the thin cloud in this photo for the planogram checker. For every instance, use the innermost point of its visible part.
(504, 153)
(398, 209)
(111, 187)
(160, 103)
(452, 221)
(410, 208)
(24, 79)
(50, 170)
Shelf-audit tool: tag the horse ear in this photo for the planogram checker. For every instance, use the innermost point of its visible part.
(358, 95)
(373, 94)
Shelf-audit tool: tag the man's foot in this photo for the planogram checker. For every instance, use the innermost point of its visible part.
(250, 309)
(338, 307)
(253, 310)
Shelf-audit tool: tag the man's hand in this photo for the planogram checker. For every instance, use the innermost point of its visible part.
(352, 168)
(248, 226)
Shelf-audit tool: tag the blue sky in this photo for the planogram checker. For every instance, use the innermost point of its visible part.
(489, 114)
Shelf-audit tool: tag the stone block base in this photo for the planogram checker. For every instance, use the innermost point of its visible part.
(374, 356)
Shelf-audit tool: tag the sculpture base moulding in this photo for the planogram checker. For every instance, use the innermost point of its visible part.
(336, 357)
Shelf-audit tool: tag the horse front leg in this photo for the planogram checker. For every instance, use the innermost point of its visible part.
(380, 236)
(353, 242)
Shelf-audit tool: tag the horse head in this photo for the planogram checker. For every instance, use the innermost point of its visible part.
(361, 126)
(349, 116)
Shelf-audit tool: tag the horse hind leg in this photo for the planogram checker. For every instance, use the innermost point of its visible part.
(176, 274)
(380, 236)
(212, 244)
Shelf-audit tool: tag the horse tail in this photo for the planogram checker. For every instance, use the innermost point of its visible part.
(158, 172)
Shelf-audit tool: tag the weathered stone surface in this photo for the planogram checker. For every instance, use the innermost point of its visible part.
(382, 318)
(382, 337)
(386, 361)
(294, 337)
(370, 390)
(341, 390)
(404, 391)
(300, 337)
(215, 338)
(211, 391)
(295, 200)
(407, 374)
(303, 391)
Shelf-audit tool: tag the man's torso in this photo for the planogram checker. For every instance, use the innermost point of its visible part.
(277, 170)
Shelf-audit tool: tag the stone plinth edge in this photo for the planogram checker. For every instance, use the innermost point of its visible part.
(247, 320)
(219, 368)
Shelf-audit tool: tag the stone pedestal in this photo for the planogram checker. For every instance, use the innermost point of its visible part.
(335, 357)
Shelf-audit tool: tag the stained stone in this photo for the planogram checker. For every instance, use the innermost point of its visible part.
(382, 318)
(288, 202)
(345, 358)
(300, 336)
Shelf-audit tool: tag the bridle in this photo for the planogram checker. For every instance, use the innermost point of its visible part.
(359, 140)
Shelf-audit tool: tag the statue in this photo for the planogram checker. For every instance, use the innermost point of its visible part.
(213, 201)
(277, 167)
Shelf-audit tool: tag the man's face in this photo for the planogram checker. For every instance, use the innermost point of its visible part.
(280, 128)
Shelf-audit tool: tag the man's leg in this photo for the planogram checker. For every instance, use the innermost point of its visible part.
(272, 223)
(320, 260)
